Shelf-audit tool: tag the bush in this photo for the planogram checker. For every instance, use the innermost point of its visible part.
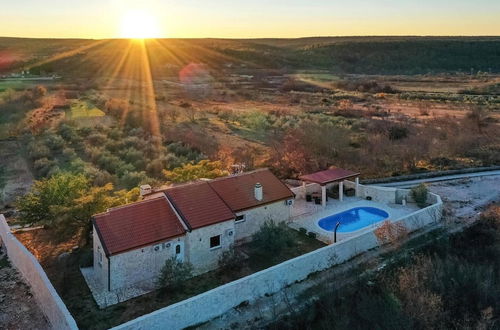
(44, 166)
(272, 239)
(398, 132)
(230, 260)
(312, 234)
(133, 179)
(419, 194)
(174, 274)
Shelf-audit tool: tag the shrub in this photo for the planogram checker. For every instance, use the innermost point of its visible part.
(312, 234)
(272, 238)
(44, 166)
(419, 194)
(37, 150)
(173, 274)
(303, 230)
(86, 258)
(230, 260)
(398, 132)
(133, 179)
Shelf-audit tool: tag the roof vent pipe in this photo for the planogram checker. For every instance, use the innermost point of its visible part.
(258, 192)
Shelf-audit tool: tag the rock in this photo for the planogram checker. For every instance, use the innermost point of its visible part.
(63, 257)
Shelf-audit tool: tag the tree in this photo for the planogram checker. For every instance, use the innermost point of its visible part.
(189, 172)
(39, 92)
(230, 260)
(78, 213)
(272, 239)
(174, 274)
(479, 116)
(391, 233)
(67, 203)
(419, 194)
(173, 113)
(39, 205)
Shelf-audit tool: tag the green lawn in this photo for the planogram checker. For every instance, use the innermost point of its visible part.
(84, 109)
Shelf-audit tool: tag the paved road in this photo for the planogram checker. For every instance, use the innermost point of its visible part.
(411, 183)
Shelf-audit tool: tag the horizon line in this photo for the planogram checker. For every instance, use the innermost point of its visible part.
(268, 38)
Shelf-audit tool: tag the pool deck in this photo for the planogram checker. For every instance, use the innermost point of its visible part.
(307, 214)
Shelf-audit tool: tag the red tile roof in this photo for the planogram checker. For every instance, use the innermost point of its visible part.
(135, 225)
(199, 205)
(328, 176)
(238, 191)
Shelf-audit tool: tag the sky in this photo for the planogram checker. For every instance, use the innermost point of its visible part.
(249, 18)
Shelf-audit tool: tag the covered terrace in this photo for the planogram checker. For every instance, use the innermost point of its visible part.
(330, 177)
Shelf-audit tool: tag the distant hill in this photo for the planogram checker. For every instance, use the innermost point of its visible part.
(360, 55)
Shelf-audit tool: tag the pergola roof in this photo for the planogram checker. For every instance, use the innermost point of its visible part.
(329, 176)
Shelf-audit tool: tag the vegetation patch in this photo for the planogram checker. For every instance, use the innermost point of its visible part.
(84, 109)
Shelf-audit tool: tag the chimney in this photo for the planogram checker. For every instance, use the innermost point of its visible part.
(258, 192)
(145, 190)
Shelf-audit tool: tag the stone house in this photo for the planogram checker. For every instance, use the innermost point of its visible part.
(193, 222)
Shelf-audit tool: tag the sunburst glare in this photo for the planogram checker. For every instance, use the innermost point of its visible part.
(139, 24)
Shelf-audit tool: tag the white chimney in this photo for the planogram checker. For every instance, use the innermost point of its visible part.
(258, 192)
(145, 190)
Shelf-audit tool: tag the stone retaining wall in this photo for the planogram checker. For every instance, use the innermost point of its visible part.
(43, 291)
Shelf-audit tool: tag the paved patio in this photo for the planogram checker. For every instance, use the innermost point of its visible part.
(307, 214)
(105, 298)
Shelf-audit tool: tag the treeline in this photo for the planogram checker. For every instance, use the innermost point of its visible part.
(364, 55)
(415, 56)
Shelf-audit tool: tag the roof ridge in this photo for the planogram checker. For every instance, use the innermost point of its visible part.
(222, 199)
(144, 201)
(194, 182)
(240, 174)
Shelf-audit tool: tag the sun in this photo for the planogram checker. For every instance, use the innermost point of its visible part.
(139, 24)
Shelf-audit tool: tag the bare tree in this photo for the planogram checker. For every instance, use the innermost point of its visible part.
(479, 116)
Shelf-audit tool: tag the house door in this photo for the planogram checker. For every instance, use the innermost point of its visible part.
(179, 251)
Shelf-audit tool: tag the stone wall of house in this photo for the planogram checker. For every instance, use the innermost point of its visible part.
(48, 300)
(216, 302)
(198, 251)
(255, 218)
(141, 265)
(100, 268)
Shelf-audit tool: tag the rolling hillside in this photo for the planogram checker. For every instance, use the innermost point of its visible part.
(359, 55)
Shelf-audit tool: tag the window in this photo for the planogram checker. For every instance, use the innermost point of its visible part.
(239, 218)
(177, 249)
(100, 258)
(215, 242)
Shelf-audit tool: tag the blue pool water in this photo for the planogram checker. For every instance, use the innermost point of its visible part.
(353, 219)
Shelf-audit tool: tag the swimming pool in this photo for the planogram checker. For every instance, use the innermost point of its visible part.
(353, 219)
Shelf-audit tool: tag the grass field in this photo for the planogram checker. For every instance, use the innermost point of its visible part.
(84, 109)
